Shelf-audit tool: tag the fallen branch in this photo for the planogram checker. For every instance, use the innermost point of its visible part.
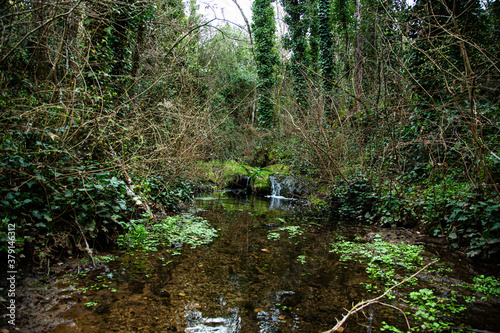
(87, 247)
(363, 304)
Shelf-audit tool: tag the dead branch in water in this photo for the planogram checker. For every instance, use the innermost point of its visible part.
(361, 305)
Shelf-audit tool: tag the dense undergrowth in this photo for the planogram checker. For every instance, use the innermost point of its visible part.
(63, 201)
(468, 220)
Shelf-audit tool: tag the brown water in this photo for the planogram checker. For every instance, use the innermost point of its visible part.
(246, 282)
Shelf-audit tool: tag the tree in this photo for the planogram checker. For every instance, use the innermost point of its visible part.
(296, 41)
(264, 29)
(449, 58)
(326, 55)
(229, 70)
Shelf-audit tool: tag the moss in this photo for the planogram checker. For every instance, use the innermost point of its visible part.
(261, 184)
(222, 173)
(279, 169)
(316, 200)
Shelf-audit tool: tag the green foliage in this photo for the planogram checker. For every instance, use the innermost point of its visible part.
(160, 189)
(296, 41)
(43, 198)
(228, 67)
(363, 201)
(380, 257)
(91, 304)
(386, 262)
(183, 229)
(343, 13)
(326, 52)
(302, 259)
(470, 221)
(292, 230)
(263, 29)
(488, 286)
(50, 193)
(432, 312)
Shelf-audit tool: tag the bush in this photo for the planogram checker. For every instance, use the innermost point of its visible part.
(470, 221)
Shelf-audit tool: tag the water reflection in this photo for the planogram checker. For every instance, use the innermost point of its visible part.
(282, 203)
(196, 323)
(252, 203)
(269, 321)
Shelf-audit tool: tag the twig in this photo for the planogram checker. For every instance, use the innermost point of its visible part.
(363, 304)
(43, 24)
(87, 247)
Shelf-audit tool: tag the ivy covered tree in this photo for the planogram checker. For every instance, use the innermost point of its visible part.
(296, 41)
(326, 55)
(312, 53)
(264, 30)
(342, 19)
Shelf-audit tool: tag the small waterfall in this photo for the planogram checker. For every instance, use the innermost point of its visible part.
(286, 192)
(284, 187)
(275, 187)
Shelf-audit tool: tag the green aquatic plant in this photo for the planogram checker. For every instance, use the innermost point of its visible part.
(91, 304)
(380, 257)
(185, 229)
(273, 235)
(489, 286)
(302, 259)
(292, 230)
(431, 312)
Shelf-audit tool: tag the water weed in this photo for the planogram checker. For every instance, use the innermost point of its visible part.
(182, 229)
(380, 257)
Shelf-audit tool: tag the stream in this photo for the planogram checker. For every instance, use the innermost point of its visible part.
(270, 269)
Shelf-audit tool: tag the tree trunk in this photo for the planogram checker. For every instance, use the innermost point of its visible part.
(358, 58)
(42, 64)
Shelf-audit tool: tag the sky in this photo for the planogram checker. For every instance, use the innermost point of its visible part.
(226, 10)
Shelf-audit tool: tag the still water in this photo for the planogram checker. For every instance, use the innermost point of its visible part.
(247, 280)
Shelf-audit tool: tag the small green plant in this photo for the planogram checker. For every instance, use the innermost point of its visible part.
(380, 257)
(432, 310)
(293, 232)
(185, 229)
(273, 235)
(302, 259)
(432, 313)
(370, 287)
(489, 286)
(91, 304)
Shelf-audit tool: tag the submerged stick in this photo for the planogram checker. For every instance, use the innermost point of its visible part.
(363, 304)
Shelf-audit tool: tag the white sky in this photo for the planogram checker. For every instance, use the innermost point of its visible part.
(226, 9)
